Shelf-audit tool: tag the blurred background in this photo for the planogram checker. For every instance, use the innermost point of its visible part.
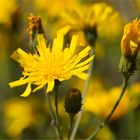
(29, 118)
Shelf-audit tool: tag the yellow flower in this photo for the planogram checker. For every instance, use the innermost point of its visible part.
(130, 43)
(86, 16)
(100, 101)
(50, 64)
(18, 116)
(7, 8)
(57, 6)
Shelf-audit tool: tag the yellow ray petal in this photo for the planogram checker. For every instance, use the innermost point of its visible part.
(84, 52)
(73, 43)
(78, 70)
(65, 30)
(81, 55)
(41, 47)
(50, 86)
(82, 75)
(39, 87)
(58, 43)
(133, 46)
(18, 83)
(19, 54)
(84, 62)
(27, 91)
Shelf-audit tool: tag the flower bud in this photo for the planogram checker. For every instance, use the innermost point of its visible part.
(130, 43)
(35, 27)
(130, 46)
(73, 101)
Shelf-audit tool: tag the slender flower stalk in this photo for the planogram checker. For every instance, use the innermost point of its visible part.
(103, 123)
(50, 109)
(130, 46)
(76, 125)
(70, 126)
(54, 116)
(57, 125)
(91, 36)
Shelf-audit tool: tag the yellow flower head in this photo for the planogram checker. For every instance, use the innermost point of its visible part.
(130, 43)
(88, 16)
(50, 64)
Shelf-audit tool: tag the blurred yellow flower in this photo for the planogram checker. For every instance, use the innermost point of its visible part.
(57, 6)
(87, 17)
(18, 116)
(50, 64)
(100, 101)
(130, 43)
(7, 8)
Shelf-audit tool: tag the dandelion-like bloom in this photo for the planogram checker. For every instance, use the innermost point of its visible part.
(88, 17)
(130, 43)
(50, 64)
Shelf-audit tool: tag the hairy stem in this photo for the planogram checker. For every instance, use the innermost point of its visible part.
(102, 124)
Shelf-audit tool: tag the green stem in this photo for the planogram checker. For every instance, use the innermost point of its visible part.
(71, 125)
(56, 112)
(102, 124)
(54, 117)
(76, 125)
(50, 109)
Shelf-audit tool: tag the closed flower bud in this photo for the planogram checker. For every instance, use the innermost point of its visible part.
(35, 27)
(130, 46)
(73, 101)
(130, 43)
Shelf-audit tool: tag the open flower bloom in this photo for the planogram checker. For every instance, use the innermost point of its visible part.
(50, 64)
(84, 17)
(130, 43)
